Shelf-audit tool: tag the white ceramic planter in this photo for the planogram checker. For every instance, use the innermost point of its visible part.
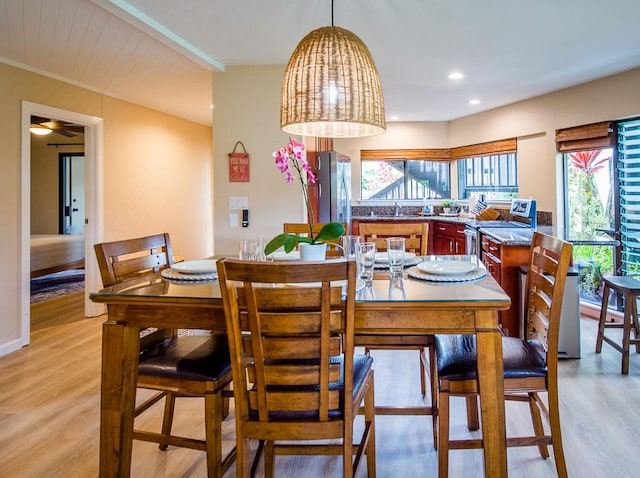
(312, 252)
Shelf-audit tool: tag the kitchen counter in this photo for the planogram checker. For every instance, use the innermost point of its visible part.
(518, 236)
(411, 218)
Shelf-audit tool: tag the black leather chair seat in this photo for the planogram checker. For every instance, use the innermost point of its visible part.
(189, 357)
(457, 357)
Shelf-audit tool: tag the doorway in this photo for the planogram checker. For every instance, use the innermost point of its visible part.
(93, 224)
(71, 187)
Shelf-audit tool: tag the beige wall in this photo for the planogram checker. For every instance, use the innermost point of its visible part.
(157, 175)
(247, 109)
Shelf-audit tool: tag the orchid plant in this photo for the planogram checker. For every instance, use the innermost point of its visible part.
(292, 162)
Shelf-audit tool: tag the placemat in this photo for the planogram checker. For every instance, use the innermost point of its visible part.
(407, 263)
(175, 275)
(416, 273)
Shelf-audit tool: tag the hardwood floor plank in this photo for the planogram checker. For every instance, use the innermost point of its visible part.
(49, 414)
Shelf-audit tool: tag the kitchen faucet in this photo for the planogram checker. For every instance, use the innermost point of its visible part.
(398, 209)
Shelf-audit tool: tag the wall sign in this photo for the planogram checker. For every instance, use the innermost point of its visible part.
(239, 165)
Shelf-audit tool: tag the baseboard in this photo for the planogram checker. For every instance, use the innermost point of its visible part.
(589, 310)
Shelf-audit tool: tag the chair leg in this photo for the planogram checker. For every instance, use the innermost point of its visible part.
(603, 317)
(626, 333)
(243, 459)
(370, 417)
(636, 324)
(433, 377)
(443, 434)
(473, 421)
(423, 372)
(556, 433)
(269, 457)
(213, 429)
(167, 419)
(536, 421)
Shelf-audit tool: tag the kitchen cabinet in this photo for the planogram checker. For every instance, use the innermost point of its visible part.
(503, 263)
(448, 238)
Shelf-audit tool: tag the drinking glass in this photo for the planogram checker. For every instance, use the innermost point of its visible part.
(249, 250)
(365, 258)
(263, 240)
(396, 288)
(395, 251)
(349, 246)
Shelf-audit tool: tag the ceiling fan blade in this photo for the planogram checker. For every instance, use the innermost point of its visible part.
(63, 132)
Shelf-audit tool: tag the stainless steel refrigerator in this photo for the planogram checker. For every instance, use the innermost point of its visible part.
(334, 187)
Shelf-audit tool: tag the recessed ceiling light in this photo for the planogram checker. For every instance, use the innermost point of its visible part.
(211, 107)
(474, 102)
(394, 118)
(456, 75)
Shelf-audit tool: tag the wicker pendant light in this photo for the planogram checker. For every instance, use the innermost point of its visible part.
(331, 87)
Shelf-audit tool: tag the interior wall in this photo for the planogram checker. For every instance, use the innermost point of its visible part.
(157, 171)
(45, 180)
(247, 108)
(535, 122)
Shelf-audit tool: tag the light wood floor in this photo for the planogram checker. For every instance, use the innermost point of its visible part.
(49, 414)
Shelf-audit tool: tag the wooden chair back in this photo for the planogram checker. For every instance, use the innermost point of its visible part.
(549, 261)
(292, 351)
(302, 229)
(415, 233)
(129, 258)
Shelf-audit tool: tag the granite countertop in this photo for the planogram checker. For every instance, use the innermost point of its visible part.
(518, 236)
(416, 218)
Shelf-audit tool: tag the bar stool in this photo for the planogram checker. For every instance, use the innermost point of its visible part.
(629, 287)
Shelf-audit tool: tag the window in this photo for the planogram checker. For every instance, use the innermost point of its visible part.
(405, 174)
(589, 217)
(495, 176)
(589, 199)
(629, 181)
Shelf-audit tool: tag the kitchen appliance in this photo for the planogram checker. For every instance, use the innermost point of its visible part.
(523, 213)
(569, 335)
(334, 187)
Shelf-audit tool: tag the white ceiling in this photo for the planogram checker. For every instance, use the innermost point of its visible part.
(161, 53)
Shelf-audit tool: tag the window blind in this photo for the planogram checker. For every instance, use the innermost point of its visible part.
(581, 138)
(485, 149)
(629, 177)
(402, 154)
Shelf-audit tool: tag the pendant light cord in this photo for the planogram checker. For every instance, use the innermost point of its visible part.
(332, 13)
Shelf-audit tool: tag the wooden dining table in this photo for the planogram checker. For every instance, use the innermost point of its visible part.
(421, 307)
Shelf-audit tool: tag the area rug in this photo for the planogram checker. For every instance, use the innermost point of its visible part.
(54, 285)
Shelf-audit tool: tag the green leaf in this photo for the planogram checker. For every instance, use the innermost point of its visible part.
(287, 241)
(329, 232)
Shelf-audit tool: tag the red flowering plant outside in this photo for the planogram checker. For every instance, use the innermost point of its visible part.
(292, 162)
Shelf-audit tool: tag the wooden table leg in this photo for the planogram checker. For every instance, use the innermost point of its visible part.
(110, 389)
(491, 387)
(118, 388)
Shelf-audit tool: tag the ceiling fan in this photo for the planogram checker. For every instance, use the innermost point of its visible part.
(63, 128)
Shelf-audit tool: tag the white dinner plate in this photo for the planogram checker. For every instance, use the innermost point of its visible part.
(384, 257)
(446, 267)
(205, 266)
(283, 256)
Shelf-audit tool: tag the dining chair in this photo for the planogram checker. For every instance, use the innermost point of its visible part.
(530, 364)
(296, 377)
(174, 365)
(302, 229)
(629, 288)
(415, 233)
(416, 239)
